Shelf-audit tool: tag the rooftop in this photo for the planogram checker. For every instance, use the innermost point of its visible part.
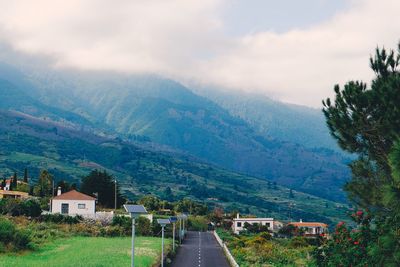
(74, 195)
(308, 224)
(253, 219)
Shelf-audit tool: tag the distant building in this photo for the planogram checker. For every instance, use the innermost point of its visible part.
(13, 194)
(8, 184)
(311, 228)
(73, 203)
(239, 223)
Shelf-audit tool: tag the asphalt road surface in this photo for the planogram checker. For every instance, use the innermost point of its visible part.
(200, 249)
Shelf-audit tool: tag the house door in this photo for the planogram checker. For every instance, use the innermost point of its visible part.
(64, 208)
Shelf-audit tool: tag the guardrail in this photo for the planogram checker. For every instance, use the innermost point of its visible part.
(228, 254)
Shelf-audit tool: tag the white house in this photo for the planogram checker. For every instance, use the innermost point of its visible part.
(311, 228)
(239, 223)
(73, 203)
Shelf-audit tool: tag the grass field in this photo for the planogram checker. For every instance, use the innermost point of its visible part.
(89, 252)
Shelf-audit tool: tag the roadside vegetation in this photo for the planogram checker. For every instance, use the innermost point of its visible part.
(261, 249)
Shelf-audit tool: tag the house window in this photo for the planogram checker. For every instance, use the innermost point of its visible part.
(81, 206)
(268, 225)
(239, 224)
(64, 208)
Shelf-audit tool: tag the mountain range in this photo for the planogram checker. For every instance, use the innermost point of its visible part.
(163, 116)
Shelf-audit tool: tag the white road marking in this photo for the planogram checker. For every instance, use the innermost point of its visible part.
(199, 249)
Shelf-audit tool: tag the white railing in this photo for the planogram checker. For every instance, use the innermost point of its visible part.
(228, 254)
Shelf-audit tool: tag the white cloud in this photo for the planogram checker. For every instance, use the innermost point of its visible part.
(185, 40)
(301, 66)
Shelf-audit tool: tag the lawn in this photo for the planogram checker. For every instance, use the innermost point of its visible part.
(89, 251)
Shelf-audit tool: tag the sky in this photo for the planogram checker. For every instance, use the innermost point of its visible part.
(290, 50)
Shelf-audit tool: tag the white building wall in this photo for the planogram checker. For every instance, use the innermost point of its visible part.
(238, 224)
(73, 208)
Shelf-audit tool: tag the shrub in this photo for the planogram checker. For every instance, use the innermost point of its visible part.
(22, 240)
(144, 226)
(11, 237)
(298, 242)
(31, 208)
(59, 218)
(17, 207)
(7, 230)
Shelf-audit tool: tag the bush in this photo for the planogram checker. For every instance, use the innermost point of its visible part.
(60, 219)
(144, 226)
(31, 208)
(22, 240)
(298, 242)
(17, 207)
(7, 230)
(11, 237)
(197, 223)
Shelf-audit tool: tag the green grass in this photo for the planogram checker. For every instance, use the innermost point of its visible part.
(89, 251)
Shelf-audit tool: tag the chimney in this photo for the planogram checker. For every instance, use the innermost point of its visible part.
(301, 220)
(58, 191)
(237, 215)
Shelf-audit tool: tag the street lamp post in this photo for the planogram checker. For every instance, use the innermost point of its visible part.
(163, 223)
(115, 194)
(173, 220)
(135, 211)
(185, 217)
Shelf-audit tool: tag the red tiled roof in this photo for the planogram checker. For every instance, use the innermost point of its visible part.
(308, 224)
(74, 195)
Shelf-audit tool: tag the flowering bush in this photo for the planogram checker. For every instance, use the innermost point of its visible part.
(351, 247)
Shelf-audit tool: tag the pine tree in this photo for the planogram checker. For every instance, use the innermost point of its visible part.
(103, 184)
(25, 175)
(14, 182)
(44, 186)
(366, 122)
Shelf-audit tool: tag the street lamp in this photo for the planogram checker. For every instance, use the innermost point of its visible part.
(184, 217)
(180, 218)
(135, 211)
(173, 220)
(163, 223)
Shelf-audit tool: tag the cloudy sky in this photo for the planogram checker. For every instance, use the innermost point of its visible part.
(291, 50)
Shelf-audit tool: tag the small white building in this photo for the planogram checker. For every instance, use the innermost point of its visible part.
(239, 223)
(311, 228)
(73, 203)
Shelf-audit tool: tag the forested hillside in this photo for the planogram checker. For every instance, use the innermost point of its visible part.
(70, 154)
(169, 114)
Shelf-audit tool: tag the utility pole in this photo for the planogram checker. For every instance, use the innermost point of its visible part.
(115, 194)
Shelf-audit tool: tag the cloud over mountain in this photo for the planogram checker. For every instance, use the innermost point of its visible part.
(186, 40)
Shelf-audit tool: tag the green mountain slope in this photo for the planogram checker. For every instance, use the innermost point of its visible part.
(286, 122)
(69, 154)
(170, 114)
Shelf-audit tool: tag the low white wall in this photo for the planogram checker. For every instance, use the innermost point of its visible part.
(228, 254)
(90, 206)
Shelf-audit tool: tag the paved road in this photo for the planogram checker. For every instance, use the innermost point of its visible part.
(200, 249)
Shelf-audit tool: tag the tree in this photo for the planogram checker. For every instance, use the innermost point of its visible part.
(65, 187)
(366, 122)
(151, 203)
(25, 175)
(14, 182)
(43, 188)
(102, 184)
(168, 194)
(291, 195)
